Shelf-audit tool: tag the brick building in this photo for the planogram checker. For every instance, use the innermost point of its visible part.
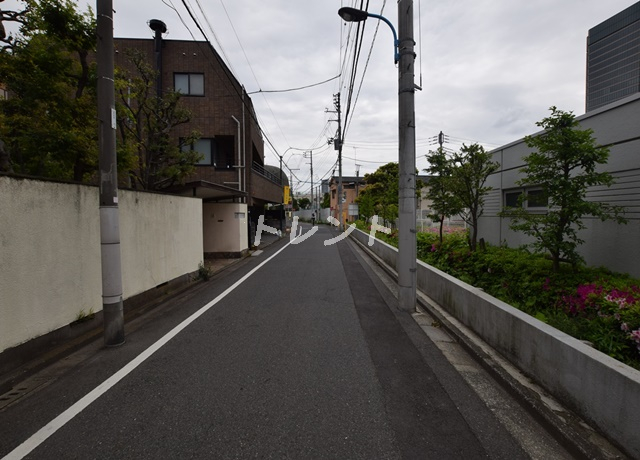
(231, 179)
(351, 187)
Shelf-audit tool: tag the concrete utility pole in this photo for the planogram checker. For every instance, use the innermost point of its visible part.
(109, 217)
(282, 188)
(338, 147)
(407, 253)
(310, 152)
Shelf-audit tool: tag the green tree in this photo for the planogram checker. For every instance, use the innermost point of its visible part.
(147, 148)
(326, 201)
(381, 192)
(46, 69)
(304, 203)
(366, 205)
(472, 167)
(565, 164)
(444, 201)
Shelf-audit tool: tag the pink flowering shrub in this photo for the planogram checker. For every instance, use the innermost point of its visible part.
(619, 306)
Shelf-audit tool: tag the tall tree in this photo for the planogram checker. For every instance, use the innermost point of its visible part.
(382, 192)
(472, 167)
(147, 149)
(564, 165)
(444, 202)
(46, 69)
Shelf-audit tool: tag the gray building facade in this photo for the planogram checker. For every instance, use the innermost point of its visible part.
(608, 244)
(613, 59)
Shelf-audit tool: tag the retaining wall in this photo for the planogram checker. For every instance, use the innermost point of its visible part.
(600, 389)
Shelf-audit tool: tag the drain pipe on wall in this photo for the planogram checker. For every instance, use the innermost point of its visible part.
(244, 148)
(239, 165)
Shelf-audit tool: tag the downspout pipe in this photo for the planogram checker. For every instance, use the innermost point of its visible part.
(239, 166)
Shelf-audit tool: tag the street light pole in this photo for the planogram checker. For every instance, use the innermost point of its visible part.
(407, 255)
(405, 57)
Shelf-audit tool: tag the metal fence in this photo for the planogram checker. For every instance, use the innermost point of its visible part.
(259, 169)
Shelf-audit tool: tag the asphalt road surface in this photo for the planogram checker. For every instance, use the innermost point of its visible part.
(297, 352)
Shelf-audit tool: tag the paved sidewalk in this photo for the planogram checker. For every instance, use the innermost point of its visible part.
(219, 264)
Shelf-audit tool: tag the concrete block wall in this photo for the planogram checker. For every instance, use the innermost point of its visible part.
(50, 251)
(598, 388)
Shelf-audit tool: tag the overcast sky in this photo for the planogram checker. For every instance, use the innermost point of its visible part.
(489, 69)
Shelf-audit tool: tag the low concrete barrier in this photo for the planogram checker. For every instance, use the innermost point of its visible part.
(600, 389)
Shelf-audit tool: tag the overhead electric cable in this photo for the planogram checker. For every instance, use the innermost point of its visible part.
(215, 37)
(294, 89)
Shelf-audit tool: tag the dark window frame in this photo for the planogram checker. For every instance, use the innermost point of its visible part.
(212, 149)
(189, 91)
(532, 198)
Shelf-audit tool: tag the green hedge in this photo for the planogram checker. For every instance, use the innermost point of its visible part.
(592, 304)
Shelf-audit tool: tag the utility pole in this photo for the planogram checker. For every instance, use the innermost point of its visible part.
(281, 206)
(310, 152)
(112, 304)
(407, 254)
(291, 184)
(338, 147)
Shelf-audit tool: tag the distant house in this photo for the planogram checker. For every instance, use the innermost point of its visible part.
(231, 179)
(351, 187)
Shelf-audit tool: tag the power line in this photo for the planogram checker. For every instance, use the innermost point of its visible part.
(295, 89)
(215, 37)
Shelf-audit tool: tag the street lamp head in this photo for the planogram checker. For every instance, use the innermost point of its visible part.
(352, 14)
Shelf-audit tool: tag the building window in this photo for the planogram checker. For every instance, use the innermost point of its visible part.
(224, 157)
(511, 199)
(217, 152)
(189, 84)
(536, 199)
(205, 147)
(533, 198)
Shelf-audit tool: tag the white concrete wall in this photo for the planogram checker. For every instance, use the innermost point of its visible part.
(225, 227)
(50, 251)
(599, 388)
(160, 238)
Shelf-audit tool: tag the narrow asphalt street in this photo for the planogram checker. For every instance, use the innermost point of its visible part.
(296, 352)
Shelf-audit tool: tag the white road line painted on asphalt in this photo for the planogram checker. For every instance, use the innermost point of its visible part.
(41, 435)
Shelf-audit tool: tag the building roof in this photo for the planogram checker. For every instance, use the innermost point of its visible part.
(207, 191)
(346, 179)
(614, 23)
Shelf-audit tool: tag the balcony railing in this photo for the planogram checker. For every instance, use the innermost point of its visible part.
(259, 169)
